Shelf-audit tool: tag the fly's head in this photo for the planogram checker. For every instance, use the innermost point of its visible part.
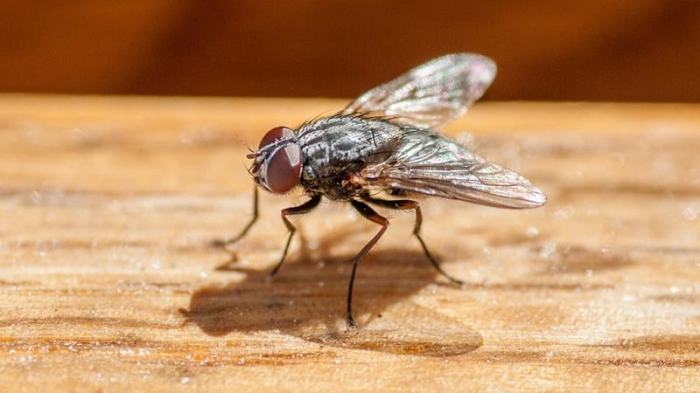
(277, 162)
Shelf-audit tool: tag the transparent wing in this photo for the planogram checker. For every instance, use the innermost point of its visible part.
(430, 164)
(430, 95)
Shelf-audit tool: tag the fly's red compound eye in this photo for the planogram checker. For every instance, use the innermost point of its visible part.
(283, 169)
(275, 134)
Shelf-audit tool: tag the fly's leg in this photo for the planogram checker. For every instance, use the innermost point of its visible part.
(235, 239)
(290, 211)
(407, 204)
(371, 215)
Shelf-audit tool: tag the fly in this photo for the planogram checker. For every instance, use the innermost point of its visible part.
(386, 141)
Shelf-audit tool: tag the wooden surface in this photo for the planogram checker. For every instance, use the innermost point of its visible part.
(107, 207)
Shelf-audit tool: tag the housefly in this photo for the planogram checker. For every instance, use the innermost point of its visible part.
(386, 141)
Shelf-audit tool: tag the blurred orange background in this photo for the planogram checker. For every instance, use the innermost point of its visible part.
(613, 50)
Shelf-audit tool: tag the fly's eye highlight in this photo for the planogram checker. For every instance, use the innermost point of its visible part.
(275, 134)
(283, 169)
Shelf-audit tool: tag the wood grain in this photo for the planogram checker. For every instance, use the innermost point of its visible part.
(108, 282)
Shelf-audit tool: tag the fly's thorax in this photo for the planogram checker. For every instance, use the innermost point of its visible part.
(278, 161)
(339, 140)
(338, 147)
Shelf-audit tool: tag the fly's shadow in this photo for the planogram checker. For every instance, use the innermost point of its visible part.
(306, 299)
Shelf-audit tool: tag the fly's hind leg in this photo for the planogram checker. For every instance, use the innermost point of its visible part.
(407, 204)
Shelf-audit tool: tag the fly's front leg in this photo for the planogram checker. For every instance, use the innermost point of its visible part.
(371, 215)
(290, 211)
(235, 239)
(407, 204)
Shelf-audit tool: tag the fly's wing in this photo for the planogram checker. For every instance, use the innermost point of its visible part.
(430, 164)
(430, 95)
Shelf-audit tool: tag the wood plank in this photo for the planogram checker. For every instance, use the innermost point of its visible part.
(108, 205)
